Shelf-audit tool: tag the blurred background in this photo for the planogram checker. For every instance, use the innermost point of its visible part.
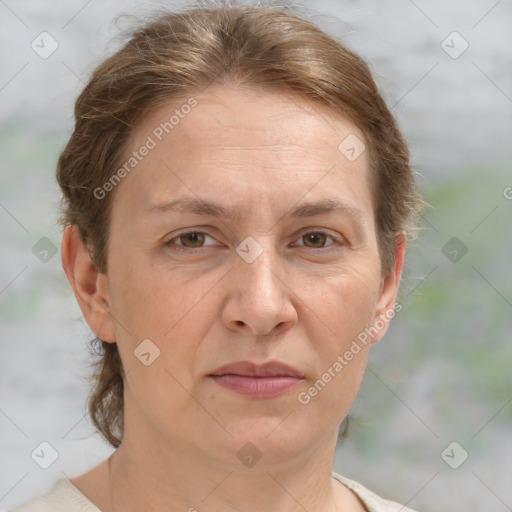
(432, 425)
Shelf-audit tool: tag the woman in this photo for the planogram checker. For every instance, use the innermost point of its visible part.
(237, 202)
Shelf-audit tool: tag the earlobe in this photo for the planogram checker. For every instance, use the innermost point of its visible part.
(387, 306)
(88, 284)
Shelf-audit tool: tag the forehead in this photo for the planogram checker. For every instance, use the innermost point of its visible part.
(270, 117)
(237, 141)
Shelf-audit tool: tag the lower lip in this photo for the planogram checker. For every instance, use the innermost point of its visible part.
(258, 387)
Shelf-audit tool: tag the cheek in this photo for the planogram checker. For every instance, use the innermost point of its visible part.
(168, 308)
(345, 307)
(151, 302)
(346, 302)
(342, 357)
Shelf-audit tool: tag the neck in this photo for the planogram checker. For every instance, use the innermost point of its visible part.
(182, 478)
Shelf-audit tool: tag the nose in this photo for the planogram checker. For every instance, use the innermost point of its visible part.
(261, 296)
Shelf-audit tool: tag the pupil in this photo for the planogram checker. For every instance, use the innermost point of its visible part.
(312, 237)
(194, 238)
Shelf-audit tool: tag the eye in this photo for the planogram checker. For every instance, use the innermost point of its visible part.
(318, 239)
(192, 239)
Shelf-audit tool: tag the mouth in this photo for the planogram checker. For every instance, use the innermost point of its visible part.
(259, 381)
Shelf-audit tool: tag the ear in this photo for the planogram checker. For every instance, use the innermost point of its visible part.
(386, 303)
(89, 285)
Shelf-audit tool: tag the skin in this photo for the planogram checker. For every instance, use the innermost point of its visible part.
(302, 301)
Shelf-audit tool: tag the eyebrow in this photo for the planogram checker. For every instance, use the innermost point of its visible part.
(210, 208)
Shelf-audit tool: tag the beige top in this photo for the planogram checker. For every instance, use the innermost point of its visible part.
(65, 497)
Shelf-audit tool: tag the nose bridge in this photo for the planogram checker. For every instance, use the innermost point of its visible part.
(259, 298)
(257, 266)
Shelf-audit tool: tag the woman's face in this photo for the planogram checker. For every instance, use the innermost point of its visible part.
(264, 285)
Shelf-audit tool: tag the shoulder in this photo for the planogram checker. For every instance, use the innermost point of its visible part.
(373, 502)
(62, 497)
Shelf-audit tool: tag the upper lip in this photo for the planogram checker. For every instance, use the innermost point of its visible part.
(268, 369)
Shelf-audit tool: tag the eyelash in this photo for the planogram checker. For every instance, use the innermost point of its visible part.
(181, 248)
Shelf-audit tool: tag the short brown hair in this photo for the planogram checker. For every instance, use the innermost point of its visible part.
(178, 53)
